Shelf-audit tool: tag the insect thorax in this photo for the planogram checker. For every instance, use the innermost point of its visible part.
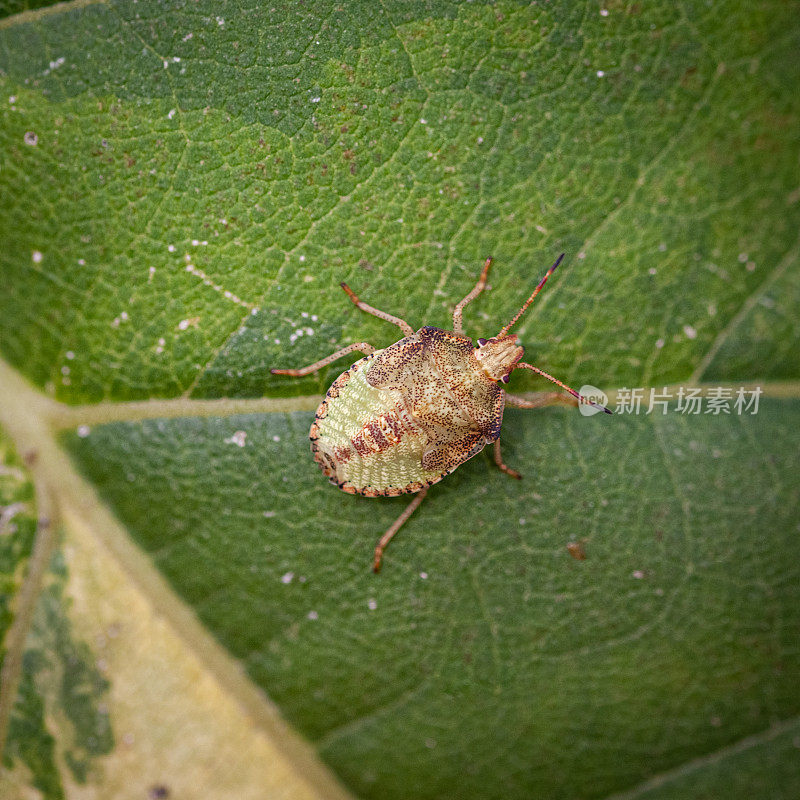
(497, 357)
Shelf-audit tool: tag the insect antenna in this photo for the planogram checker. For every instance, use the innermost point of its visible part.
(581, 398)
(536, 291)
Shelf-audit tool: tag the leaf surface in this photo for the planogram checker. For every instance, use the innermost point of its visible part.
(181, 192)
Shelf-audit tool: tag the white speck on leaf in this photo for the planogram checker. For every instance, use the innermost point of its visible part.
(691, 333)
(287, 578)
(238, 439)
(600, 73)
(276, 438)
(659, 344)
(59, 62)
(36, 257)
(270, 514)
(312, 615)
(638, 574)
(7, 513)
(372, 604)
(83, 431)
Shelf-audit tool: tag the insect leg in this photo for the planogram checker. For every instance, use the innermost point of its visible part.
(458, 326)
(396, 525)
(541, 399)
(402, 324)
(362, 347)
(498, 459)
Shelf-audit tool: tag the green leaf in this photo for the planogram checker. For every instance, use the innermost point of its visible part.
(17, 528)
(181, 192)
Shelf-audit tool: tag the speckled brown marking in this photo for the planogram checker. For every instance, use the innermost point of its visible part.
(401, 419)
(361, 446)
(380, 434)
(342, 454)
(376, 433)
(394, 425)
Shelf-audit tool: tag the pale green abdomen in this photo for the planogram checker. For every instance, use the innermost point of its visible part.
(365, 441)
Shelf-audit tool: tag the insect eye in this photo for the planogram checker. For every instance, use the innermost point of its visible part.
(481, 342)
(506, 378)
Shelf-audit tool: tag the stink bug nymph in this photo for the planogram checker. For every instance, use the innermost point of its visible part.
(402, 418)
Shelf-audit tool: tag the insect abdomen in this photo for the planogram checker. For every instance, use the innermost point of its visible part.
(365, 440)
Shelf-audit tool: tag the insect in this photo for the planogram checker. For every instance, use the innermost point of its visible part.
(400, 419)
(577, 550)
